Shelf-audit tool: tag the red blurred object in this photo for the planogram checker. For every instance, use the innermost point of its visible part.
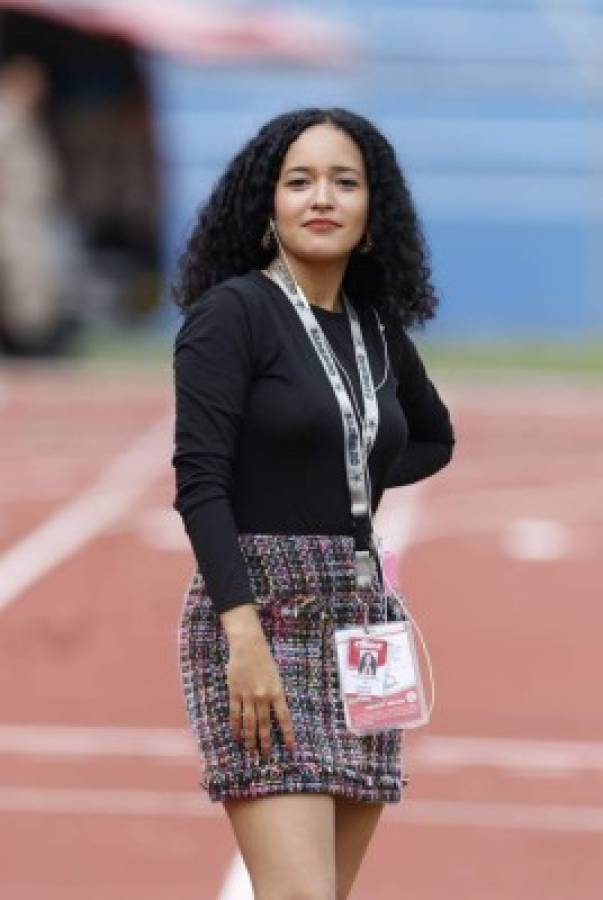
(205, 33)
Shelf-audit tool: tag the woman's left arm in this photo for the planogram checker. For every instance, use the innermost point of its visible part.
(430, 433)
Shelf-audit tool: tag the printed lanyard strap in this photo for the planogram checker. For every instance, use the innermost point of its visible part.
(357, 444)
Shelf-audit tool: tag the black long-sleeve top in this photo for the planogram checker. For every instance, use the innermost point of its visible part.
(258, 431)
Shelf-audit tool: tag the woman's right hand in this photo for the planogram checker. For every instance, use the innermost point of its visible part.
(254, 682)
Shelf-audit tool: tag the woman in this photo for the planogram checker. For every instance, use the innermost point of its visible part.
(305, 266)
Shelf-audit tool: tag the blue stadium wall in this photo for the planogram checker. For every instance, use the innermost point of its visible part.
(496, 123)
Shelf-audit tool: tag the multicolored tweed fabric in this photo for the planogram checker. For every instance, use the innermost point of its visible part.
(304, 588)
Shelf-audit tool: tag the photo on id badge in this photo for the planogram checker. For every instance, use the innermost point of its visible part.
(366, 660)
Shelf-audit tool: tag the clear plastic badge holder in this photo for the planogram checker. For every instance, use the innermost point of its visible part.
(379, 675)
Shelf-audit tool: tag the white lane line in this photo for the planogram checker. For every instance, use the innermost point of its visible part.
(99, 801)
(537, 540)
(518, 816)
(96, 740)
(161, 529)
(548, 399)
(514, 756)
(189, 804)
(473, 512)
(237, 883)
(82, 519)
(396, 517)
(563, 495)
(527, 466)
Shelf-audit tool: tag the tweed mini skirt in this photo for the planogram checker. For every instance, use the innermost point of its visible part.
(304, 588)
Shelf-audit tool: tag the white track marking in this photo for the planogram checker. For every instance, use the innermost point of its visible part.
(480, 511)
(511, 755)
(526, 463)
(97, 740)
(100, 801)
(548, 399)
(564, 495)
(518, 816)
(162, 529)
(396, 517)
(537, 539)
(188, 804)
(237, 883)
(514, 756)
(82, 519)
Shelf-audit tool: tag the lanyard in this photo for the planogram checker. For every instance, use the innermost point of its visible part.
(359, 437)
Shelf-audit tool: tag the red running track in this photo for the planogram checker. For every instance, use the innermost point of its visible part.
(98, 795)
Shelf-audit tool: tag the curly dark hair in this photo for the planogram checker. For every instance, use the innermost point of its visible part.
(226, 238)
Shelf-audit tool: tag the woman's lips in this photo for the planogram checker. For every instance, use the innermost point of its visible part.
(321, 225)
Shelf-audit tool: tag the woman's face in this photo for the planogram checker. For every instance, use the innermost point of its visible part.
(321, 198)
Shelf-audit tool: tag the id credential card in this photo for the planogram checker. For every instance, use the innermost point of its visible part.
(379, 678)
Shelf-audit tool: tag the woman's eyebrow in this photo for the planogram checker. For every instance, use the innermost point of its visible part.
(333, 169)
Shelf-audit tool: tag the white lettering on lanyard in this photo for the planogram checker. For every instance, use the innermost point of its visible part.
(359, 436)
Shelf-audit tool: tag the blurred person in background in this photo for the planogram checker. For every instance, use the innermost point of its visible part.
(37, 258)
(308, 248)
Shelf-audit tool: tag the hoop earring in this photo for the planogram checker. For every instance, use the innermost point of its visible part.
(367, 245)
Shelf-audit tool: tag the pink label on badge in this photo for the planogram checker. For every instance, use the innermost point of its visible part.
(393, 711)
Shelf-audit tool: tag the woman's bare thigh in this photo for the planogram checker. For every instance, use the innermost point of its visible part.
(288, 844)
(355, 824)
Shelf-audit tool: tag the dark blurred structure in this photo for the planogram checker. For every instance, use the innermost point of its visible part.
(80, 231)
(117, 79)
